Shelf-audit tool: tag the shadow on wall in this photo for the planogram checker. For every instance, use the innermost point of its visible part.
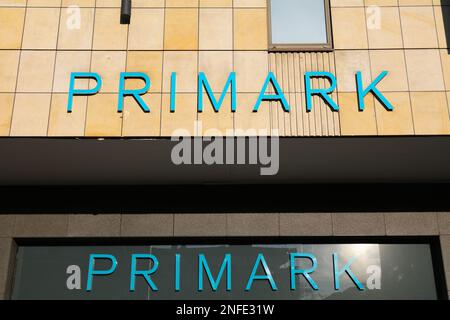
(446, 17)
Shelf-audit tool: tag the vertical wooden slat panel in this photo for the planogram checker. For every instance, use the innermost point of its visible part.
(323, 105)
(298, 84)
(285, 72)
(334, 95)
(329, 112)
(279, 75)
(292, 113)
(273, 126)
(289, 69)
(306, 115)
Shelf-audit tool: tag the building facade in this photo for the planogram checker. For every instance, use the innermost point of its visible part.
(52, 50)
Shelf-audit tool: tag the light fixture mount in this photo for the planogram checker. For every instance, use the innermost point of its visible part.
(125, 12)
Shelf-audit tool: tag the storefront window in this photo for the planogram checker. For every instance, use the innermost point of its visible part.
(300, 25)
(236, 272)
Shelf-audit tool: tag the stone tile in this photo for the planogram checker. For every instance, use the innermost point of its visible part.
(30, 115)
(9, 61)
(217, 66)
(418, 26)
(108, 33)
(251, 69)
(182, 3)
(74, 36)
(6, 109)
(424, 70)
(148, 3)
(146, 30)
(41, 28)
(445, 57)
(430, 112)
(216, 29)
(102, 118)
(247, 122)
(6, 225)
(250, 3)
(349, 28)
(136, 122)
(253, 224)
(192, 225)
(41, 225)
(441, 24)
(250, 29)
(381, 3)
(185, 64)
(444, 222)
(148, 62)
(305, 224)
(14, 3)
(11, 24)
(109, 65)
(386, 34)
(353, 121)
(396, 122)
(358, 224)
(94, 225)
(410, 224)
(216, 3)
(36, 71)
(216, 123)
(348, 62)
(68, 62)
(182, 121)
(181, 29)
(109, 3)
(147, 225)
(64, 124)
(392, 61)
(44, 3)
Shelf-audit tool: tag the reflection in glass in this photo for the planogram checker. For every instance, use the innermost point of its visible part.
(386, 271)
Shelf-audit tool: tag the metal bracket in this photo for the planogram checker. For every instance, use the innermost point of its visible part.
(125, 12)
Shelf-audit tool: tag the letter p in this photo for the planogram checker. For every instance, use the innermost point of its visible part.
(82, 92)
(92, 272)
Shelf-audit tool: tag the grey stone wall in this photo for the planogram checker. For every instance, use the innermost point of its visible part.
(210, 225)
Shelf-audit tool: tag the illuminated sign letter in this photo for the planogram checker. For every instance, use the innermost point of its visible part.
(82, 92)
(371, 88)
(92, 272)
(136, 94)
(278, 96)
(346, 269)
(173, 90)
(203, 265)
(145, 273)
(304, 272)
(267, 276)
(203, 82)
(324, 93)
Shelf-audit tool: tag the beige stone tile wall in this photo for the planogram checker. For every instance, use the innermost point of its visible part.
(41, 43)
(213, 225)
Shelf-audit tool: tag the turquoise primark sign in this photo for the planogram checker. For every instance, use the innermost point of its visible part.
(230, 86)
(283, 271)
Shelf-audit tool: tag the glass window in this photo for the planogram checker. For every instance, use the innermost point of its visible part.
(335, 271)
(300, 24)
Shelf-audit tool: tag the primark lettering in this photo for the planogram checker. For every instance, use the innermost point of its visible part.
(203, 86)
(301, 267)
